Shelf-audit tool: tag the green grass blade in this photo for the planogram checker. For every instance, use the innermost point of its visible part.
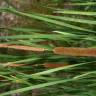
(56, 22)
(74, 12)
(61, 68)
(35, 87)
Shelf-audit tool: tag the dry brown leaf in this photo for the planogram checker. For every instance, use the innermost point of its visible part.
(24, 48)
(72, 51)
(53, 65)
(16, 65)
(69, 51)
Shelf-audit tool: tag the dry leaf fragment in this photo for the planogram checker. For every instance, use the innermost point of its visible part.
(24, 48)
(16, 65)
(72, 51)
(53, 65)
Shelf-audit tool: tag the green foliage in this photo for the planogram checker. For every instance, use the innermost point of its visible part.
(68, 27)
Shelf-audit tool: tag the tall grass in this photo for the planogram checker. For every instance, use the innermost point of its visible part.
(27, 71)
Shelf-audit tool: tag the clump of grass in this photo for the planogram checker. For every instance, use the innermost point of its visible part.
(25, 71)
